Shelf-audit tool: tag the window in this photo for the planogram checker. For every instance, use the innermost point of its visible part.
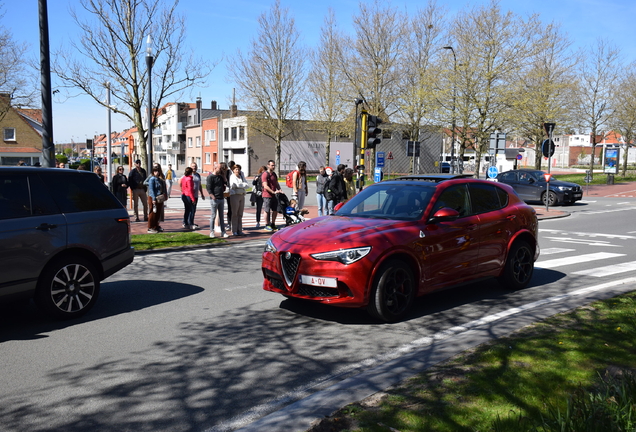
(207, 158)
(234, 134)
(190, 142)
(76, 193)
(210, 135)
(241, 132)
(9, 134)
(486, 198)
(198, 141)
(226, 134)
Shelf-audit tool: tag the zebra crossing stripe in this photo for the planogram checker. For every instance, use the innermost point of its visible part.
(578, 259)
(552, 251)
(608, 270)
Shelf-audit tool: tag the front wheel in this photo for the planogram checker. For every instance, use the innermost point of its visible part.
(551, 197)
(393, 292)
(519, 266)
(68, 287)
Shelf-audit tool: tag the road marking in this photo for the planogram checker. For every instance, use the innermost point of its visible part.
(585, 212)
(552, 251)
(586, 234)
(608, 270)
(577, 259)
(582, 242)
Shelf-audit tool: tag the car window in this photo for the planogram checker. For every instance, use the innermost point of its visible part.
(14, 196)
(454, 197)
(486, 198)
(389, 201)
(77, 192)
(41, 200)
(508, 177)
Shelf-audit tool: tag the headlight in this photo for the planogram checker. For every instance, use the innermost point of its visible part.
(345, 256)
(563, 188)
(269, 246)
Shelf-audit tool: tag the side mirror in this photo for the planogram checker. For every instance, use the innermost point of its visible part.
(443, 215)
(338, 207)
(531, 180)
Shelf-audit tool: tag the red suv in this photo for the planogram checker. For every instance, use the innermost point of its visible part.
(402, 238)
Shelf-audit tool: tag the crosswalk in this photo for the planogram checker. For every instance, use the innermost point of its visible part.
(607, 260)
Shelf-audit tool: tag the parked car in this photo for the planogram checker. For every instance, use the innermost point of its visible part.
(530, 185)
(402, 238)
(61, 233)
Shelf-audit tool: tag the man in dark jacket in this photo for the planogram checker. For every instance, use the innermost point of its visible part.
(215, 186)
(336, 189)
(136, 180)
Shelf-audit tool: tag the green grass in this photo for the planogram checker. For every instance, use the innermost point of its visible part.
(598, 178)
(574, 369)
(143, 242)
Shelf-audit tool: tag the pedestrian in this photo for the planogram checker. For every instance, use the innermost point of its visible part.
(164, 190)
(81, 167)
(350, 184)
(98, 171)
(187, 196)
(156, 199)
(120, 186)
(321, 180)
(170, 178)
(257, 194)
(216, 186)
(271, 188)
(328, 197)
(337, 187)
(238, 184)
(300, 184)
(62, 165)
(21, 163)
(198, 189)
(136, 179)
(228, 173)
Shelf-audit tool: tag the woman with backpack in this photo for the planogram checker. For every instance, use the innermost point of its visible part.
(257, 194)
(299, 184)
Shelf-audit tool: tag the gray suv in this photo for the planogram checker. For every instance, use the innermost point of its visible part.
(61, 233)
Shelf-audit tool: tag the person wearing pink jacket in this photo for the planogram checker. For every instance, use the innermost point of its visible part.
(187, 196)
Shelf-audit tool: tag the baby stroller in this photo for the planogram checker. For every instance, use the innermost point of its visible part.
(290, 213)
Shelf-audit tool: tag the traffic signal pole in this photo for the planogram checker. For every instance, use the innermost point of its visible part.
(364, 134)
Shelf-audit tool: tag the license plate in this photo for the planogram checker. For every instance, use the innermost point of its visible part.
(319, 281)
(578, 195)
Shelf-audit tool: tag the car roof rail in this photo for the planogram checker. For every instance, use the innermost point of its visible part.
(435, 178)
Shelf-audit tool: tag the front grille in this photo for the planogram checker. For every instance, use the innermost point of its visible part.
(289, 262)
(312, 291)
(277, 283)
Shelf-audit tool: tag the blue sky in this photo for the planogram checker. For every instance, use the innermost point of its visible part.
(220, 28)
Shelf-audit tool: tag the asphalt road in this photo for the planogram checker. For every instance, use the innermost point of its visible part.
(188, 341)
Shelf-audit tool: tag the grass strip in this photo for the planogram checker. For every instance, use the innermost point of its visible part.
(144, 242)
(551, 376)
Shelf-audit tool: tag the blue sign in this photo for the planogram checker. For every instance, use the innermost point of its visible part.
(337, 159)
(380, 159)
(377, 175)
(492, 172)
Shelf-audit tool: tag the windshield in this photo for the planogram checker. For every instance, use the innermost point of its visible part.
(390, 201)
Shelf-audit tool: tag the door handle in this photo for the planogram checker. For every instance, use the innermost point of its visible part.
(45, 227)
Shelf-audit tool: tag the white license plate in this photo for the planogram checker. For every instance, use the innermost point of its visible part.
(319, 281)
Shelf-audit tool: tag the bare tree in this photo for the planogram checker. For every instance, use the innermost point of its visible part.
(326, 84)
(597, 76)
(17, 79)
(624, 118)
(370, 61)
(419, 96)
(270, 76)
(493, 45)
(544, 89)
(113, 48)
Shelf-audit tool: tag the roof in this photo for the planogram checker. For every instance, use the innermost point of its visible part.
(433, 178)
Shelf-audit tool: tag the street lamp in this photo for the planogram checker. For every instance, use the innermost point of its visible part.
(149, 61)
(452, 164)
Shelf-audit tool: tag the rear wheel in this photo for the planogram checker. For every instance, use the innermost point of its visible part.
(552, 198)
(393, 292)
(519, 266)
(68, 287)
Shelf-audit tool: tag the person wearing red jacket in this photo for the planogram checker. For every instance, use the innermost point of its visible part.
(187, 196)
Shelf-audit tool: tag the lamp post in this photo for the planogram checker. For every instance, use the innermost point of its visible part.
(452, 164)
(149, 61)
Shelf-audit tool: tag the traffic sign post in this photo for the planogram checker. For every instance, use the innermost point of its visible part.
(493, 172)
(548, 150)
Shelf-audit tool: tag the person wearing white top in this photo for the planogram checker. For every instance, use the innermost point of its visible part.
(238, 184)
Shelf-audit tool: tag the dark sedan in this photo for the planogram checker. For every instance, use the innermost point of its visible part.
(530, 185)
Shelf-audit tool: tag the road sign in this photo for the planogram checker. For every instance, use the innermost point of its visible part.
(547, 148)
(337, 158)
(390, 156)
(492, 171)
(377, 175)
(519, 157)
(547, 177)
(380, 159)
(588, 179)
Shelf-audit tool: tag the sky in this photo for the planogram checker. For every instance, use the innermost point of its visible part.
(217, 29)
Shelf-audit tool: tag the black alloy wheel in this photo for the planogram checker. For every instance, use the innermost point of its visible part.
(519, 266)
(393, 292)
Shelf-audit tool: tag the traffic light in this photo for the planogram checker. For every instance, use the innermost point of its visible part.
(374, 133)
